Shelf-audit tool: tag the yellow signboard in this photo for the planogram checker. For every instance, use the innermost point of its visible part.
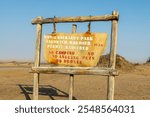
(78, 49)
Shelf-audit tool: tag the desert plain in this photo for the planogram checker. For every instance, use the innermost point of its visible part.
(132, 83)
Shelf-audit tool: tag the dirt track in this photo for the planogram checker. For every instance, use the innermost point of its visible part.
(16, 84)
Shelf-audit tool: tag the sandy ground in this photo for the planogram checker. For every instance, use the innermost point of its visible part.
(16, 83)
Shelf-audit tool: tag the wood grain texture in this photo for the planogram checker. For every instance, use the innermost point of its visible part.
(71, 86)
(37, 60)
(75, 19)
(71, 78)
(76, 70)
(112, 63)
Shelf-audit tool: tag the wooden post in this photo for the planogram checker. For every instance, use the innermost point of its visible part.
(112, 62)
(37, 59)
(71, 86)
(71, 79)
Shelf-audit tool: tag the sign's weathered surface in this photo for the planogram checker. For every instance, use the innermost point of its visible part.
(78, 49)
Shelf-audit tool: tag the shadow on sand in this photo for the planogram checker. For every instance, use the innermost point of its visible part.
(43, 90)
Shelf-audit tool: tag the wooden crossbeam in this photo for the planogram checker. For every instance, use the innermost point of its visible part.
(76, 70)
(75, 19)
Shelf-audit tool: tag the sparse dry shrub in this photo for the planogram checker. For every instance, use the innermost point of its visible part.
(148, 60)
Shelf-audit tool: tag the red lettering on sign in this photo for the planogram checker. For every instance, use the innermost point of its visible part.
(88, 57)
(98, 44)
(65, 52)
(91, 53)
(72, 61)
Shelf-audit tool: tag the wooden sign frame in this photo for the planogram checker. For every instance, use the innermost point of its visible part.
(111, 72)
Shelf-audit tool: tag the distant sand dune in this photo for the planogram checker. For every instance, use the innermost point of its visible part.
(15, 64)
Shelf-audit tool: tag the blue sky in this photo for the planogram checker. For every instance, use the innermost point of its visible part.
(17, 34)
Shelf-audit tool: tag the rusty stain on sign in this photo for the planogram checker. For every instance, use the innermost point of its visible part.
(78, 49)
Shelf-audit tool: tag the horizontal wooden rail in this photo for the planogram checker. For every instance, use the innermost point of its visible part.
(75, 19)
(76, 70)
